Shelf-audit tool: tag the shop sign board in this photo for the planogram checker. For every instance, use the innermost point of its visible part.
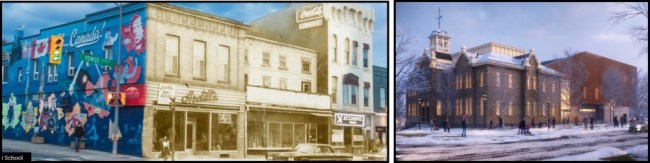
(357, 138)
(337, 135)
(135, 94)
(310, 12)
(349, 119)
(166, 91)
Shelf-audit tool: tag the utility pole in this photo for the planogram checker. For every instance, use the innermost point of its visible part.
(173, 108)
(117, 89)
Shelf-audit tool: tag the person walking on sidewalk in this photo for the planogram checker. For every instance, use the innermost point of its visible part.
(165, 149)
(464, 133)
(79, 133)
(591, 121)
(500, 123)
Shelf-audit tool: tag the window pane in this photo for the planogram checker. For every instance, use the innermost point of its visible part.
(366, 92)
(382, 97)
(346, 94)
(224, 62)
(224, 131)
(287, 135)
(354, 95)
(275, 135)
(256, 135)
(299, 132)
(171, 49)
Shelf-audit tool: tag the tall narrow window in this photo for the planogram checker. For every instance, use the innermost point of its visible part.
(334, 88)
(346, 94)
(527, 108)
(482, 110)
(366, 94)
(527, 82)
(20, 75)
(366, 48)
(266, 59)
(306, 66)
(108, 54)
(347, 51)
(469, 79)
(469, 109)
(382, 98)
(171, 55)
(498, 107)
(584, 92)
(554, 87)
(509, 80)
(596, 93)
(246, 57)
(52, 75)
(543, 86)
(266, 81)
(334, 48)
(283, 62)
(283, 83)
(353, 96)
(199, 60)
(355, 48)
(498, 79)
(510, 108)
(534, 83)
(224, 63)
(438, 107)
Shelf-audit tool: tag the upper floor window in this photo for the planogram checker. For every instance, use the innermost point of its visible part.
(224, 63)
(20, 74)
(306, 66)
(171, 55)
(199, 60)
(335, 81)
(246, 57)
(36, 69)
(481, 79)
(355, 47)
(382, 99)
(509, 80)
(266, 81)
(366, 94)
(334, 48)
(306, 86)
(283, 62)
(347, 51)
(52, 74)
(70, 64)
(283, 83)
(366, 47)
(498, 79)
(266, 60)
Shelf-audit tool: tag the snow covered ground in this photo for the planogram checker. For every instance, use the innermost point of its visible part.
(481, 144)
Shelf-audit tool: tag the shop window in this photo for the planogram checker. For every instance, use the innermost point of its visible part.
(256, 135)
(357, 138)
(224, 131)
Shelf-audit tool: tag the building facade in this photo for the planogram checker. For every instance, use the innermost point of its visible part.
(593, 90)
(236, 90)
(486, 86)
(341, 34)
(380, 96)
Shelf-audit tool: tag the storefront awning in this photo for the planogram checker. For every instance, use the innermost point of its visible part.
(321, 115)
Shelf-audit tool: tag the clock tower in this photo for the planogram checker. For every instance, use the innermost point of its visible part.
(439, 39)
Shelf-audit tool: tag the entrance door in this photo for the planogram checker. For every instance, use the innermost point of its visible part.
(190, 142)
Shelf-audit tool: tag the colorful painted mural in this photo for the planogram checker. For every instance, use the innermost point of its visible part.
(49, 109)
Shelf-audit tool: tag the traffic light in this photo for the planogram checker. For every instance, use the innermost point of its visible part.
(56, 49)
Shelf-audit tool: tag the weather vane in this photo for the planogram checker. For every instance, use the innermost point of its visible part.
(439, 18)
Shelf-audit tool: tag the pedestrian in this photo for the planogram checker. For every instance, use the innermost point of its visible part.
(500, 123)
(464, 125)
(448, 127)
(615, 121)
(432, 124)
(553, 122)
(444, 125)
(592, 122)
(575, 121)
(539, 124)
(622, 122)
(79, 133)
(165, 149)
(584, 120)
(522, 124)
(490, 124)
(532, 122)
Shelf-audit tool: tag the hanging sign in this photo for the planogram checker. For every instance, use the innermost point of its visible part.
(166, 91)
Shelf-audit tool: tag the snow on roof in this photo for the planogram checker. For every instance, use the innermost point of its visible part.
(498, 58)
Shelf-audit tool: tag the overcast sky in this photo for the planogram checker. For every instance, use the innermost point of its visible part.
(549, 28)
(33, 17)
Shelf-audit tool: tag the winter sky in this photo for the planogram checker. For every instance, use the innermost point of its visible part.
(33, 17)
(549, 28)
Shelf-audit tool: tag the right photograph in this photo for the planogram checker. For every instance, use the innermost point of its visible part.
(521, 81)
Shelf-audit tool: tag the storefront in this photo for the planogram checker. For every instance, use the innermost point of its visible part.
(380, 130)
(209, 123)
(352, 133)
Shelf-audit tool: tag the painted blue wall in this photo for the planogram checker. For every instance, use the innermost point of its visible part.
(56, 105)
(380, 80)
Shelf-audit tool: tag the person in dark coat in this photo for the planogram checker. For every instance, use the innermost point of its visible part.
(584, 120)
(490, 124)
(500, 123)
(464, 123)
(591, 121)
(622, 122)
(615, 121)
(522, 125)
(553, 122)
(444, 125)
(532, 122)
(79, 133)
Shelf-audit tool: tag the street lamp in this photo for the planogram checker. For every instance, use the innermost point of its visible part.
(548, 113)
(117, 89)
(419, 113)
(484, 112)
(173, 108)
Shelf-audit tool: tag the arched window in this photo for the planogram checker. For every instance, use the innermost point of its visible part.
(446, 45)
(334, 46)
(333, 13)
(347, 51)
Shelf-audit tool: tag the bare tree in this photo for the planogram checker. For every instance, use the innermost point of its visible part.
(613, 91)
(638, 32)
(640, 102)
(445, 90)
(404, 61)
(573, 69)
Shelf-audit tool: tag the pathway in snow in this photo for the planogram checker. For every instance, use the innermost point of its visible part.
(537, 149)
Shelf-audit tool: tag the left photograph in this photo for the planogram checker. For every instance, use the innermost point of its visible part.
(195, 81)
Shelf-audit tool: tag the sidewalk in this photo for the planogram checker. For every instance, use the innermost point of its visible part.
(50, 149)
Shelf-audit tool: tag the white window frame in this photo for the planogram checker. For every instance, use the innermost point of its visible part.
(20, 74)
(70, 64)
(198, 60)
(35, 70)
(172, 59)
(266, 81)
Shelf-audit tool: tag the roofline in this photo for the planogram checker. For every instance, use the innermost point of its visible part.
(200, 13)
(281, 43)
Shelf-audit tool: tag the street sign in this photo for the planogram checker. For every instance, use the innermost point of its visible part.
(101, 61)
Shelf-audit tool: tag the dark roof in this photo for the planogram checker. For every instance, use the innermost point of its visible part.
(444, 56)
(522, 56)
(550, 61)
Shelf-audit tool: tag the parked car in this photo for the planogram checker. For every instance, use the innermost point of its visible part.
(638, 126)
(309, 152)
(378, 156)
